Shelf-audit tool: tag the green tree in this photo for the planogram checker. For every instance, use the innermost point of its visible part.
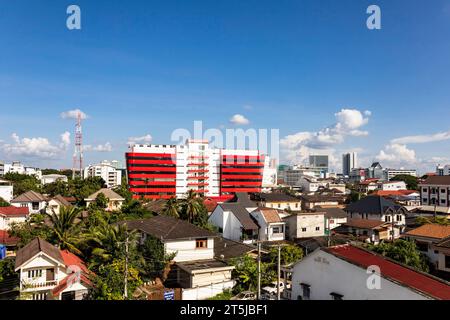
(7, 271)
(412, 183)
(101, 202)
(191, 206)
(246, 273)
(405, 252)
(289, 254)
(57, 188)
(443, 221)
(172, 208)
(23, 183)
(156, 258)
(65, 232)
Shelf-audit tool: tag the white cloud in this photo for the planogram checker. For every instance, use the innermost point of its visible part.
(73, 114)
(239, 119)
(397, 154)
(107, 147)
(140, 140)
(297, 147)
(441, 136)
(38, 147)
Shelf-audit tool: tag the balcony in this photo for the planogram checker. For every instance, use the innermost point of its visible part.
(32, 286)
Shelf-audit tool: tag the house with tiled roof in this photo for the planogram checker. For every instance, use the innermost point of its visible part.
(33, 200)
(278, 200)
(56, 203)
(369, 231)
(348, 272)
(271, 226)
(115, 201)
(48, 273)
(10, 215)
(195, 268)
(426, 237)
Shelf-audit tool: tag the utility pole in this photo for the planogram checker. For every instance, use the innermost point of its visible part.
(279, 273)
(259, 271)
(393, 227)
(125, 289)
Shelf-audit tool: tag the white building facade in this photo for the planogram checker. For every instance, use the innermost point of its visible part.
(107, 171)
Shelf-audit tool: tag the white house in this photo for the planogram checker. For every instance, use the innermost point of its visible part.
(351, 273)
(392, 185)
(196, 270)
(18, 167)
(48, 273)
(271, 227)
(334, 216)
(6, 190)
(55, 204)
(235, 222)
(277, 200)
(305, 225)
(52, 178)
(10, 215)
(115, 201)
(443, 255)
(35, 201)
(108, 171)
(426, 237)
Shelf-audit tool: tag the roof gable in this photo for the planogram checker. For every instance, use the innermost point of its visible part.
(29, 196)
(34, 248)
(241, 213)
(374, 205)
(111, 195)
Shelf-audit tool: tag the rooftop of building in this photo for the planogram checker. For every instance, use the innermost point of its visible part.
(434, 231)
(437, 180)
(373, 204)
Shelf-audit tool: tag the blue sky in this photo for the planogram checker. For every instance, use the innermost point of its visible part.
(142, 68)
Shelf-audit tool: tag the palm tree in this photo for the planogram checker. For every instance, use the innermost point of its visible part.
(65, 229)
(171, 208)
(192, 205)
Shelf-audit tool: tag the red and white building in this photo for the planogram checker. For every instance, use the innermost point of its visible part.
(166, 171)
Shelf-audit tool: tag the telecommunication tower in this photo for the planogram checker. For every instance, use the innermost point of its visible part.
(77, 169)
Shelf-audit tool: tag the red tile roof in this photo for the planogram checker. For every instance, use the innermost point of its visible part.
(386, 193)
(72, 260)
(14, 211)
(393, 271)
(6, 239)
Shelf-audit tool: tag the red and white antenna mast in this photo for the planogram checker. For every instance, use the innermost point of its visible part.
(77, 169)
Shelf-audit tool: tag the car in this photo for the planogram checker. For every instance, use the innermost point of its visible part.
(273, 288)
(246, 295)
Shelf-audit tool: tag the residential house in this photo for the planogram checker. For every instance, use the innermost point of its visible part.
(196, 270)
(225, 249)
(48, 273)
(271, 227)
(435, 194)
(350, 273)
(115, 201)
(381, 209)
(234, 221)
(55, 204)
(11, 215)
(426, 237)
(52, 178)
(6, 190)
(369, 231)
(310, 202)
(392, 185)
(407, 198)
(368, 186)
(305, 225)
(277, 200)
(34, 201)
(443, 256)
(334, 216)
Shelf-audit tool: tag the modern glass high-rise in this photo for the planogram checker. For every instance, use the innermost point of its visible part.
(319, 161)
(349, 162)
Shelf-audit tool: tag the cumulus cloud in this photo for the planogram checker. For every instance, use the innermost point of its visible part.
(239, 119)
(73, 114)
(140, 140)
(427, 138)
(107, 147)
(397, 154)
(40, 148)
(297, 147)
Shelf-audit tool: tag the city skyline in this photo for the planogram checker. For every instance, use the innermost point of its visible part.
(379, 93)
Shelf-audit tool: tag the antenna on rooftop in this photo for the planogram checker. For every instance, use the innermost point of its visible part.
(77, 168)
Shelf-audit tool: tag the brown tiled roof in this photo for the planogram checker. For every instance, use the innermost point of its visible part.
(62, 201)
(431, 231)
(275, 197)
(33, 248)
(364, 223)
(225, 249)
(168, 228)
(111, 195)
(437, 180)
(270, 215)
(29, 196)
(332, 212)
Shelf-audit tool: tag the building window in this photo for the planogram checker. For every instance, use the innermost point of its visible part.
(336, 296)
(442, 201)
(201, 244)
(39, 296)
(279, 206)
(303, 229)
(399, 217)
(35, 205)
(317, 228)
(387, 218)
(447, 262)
(442, 190)
(34, 274)
(306, 288)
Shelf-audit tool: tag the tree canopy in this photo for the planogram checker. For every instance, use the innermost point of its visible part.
(412, 183)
